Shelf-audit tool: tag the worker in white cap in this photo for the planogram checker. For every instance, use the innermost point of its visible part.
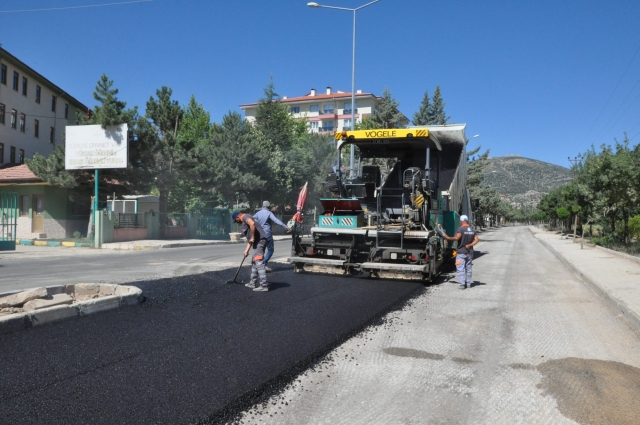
(467, 238)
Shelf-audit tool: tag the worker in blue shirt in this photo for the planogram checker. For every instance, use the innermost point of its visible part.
(265, 217)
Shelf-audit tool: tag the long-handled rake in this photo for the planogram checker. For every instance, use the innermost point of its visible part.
(238, 271)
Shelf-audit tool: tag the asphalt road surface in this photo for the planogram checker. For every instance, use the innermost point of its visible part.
(529, 343)
(196, 351)
(33, 266)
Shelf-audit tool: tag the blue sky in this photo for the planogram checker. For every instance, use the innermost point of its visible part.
(531, 77)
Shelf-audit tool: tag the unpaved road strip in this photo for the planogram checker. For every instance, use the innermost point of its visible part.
(528, 344)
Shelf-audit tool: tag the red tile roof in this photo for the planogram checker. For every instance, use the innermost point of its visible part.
(308, 97)
(12, 173)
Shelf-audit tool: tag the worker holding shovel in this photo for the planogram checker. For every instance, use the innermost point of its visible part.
(256, 238)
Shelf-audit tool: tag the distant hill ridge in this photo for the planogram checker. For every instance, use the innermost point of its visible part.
(522, 180)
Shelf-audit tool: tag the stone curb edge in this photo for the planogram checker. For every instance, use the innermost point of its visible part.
(37, 242)
(619, 254)
(26, 320)
(621, 306)
(124, 246)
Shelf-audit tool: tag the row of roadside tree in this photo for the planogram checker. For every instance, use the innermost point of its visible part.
(190, 162)
(604, 197)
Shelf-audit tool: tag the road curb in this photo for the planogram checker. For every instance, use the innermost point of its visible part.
(615, 303)
(44, 242)
(125, 296)
(619, 254)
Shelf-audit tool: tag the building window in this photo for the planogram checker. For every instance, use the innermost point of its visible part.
(328, 109)
(53, 103)
(16, 78)
(21, 156)
(347, 124)
(1, 153)
(3, 74)
(24, 85)
(1, 113)
(37, 94)
(295, 109)
(52, 135)
(314, 108)
(347, 108)
(25, 203)
(327, 126)
(314, 125)
(36, 128)
(66, 111)
(12, 155)
(22, 120)
(14, 118)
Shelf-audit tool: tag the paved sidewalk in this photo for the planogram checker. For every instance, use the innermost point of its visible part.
(159, 244)
(613, 276)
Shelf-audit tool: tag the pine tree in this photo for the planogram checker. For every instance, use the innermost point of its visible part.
(235, 159)
(422, 116)
(386, 114)
(437, 115)
(165, 159)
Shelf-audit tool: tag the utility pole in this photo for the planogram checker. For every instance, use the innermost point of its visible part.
(574, 162)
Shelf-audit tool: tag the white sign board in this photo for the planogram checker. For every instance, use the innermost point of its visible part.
(91, 147)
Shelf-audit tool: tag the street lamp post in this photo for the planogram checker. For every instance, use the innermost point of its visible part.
(353, 69)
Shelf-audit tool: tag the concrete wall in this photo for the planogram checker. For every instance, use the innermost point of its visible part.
(104, 228)
(34, 111)
(176, 232)
(129, 234)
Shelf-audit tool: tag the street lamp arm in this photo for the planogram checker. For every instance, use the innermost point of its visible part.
(312, 4)
(368, 4)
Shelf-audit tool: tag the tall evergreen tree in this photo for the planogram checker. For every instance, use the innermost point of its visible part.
(386, 114)
(421, 117)
(194, 130)
(165, 158)
(235, 159)
(437, 115)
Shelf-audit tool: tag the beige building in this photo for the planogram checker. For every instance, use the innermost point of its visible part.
(33, 111)
(326, 112)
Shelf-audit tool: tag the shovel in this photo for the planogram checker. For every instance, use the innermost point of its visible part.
(238, 271)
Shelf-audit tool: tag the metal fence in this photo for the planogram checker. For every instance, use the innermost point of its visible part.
(8, 220)
(174, 219)
(213, 223)
(130, 220)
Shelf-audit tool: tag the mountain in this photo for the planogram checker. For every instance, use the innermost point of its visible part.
(523, 181)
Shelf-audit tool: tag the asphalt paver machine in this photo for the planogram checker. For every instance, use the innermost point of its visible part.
(390, 226)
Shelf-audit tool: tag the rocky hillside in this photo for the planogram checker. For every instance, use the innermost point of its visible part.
(523, 181)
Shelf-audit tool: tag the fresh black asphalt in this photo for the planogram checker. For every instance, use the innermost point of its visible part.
(196, 351)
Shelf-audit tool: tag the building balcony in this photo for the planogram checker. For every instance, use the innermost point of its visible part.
(348, 111)
(325, 129)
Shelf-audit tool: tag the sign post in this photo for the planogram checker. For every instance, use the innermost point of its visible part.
(94, 147)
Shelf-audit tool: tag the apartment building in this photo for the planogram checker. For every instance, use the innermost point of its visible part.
(326, 112)
(33, 111)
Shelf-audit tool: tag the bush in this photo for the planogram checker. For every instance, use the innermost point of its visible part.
(634, 227)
